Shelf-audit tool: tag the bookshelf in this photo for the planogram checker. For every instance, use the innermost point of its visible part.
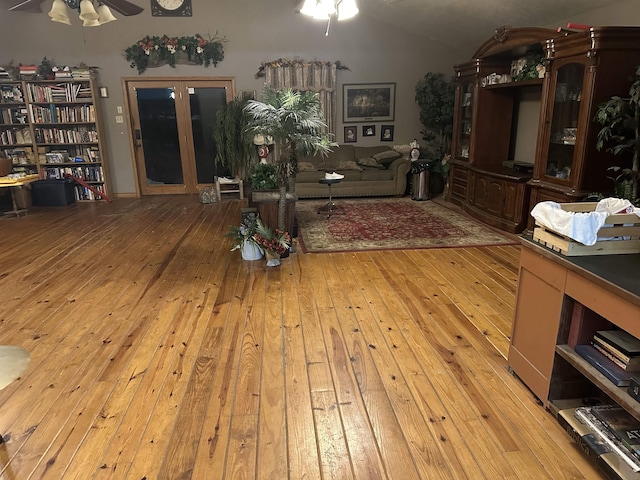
(16, 141)
(51, 127)
(581, 296)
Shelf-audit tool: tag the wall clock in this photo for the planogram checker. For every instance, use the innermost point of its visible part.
(171, 8)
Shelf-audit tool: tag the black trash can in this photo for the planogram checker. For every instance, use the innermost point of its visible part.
(53, 193)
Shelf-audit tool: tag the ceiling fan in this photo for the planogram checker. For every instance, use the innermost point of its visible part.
(123, 7)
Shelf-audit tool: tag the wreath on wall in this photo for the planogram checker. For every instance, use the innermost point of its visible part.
(153, 51)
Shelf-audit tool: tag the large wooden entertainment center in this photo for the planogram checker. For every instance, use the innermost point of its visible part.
(545, 125)
(561, 302)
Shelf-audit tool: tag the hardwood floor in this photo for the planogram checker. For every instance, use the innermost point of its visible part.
(158, 354)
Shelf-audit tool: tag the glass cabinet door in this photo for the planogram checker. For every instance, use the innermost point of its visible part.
(564, 122)
(465, 113)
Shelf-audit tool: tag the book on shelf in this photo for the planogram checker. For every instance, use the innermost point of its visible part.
(621, 423)
(592, 445)
(622, 344)
(631, 366)
(607, 436)
(613, 372)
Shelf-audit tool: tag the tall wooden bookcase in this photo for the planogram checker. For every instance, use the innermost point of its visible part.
(52, 128)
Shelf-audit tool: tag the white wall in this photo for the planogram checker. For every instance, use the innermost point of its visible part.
(256, 31)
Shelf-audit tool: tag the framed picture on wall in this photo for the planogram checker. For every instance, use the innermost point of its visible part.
(350, 134)
(386, 133)
(369, 131)
(364, 102)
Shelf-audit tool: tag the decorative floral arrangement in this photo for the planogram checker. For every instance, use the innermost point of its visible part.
(296, 62)
(278, 242)
(243, 233)
(152, 50)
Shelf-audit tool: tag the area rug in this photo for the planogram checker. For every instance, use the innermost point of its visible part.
(389, 223)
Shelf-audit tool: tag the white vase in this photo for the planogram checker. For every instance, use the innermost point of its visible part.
(250, 251)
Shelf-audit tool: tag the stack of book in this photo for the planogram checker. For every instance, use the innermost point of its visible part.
(28, 71)
(614, 353)
(609, 435)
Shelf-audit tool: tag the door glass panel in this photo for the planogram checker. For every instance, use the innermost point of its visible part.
(564, 123)
(204, 103)
(158, 125)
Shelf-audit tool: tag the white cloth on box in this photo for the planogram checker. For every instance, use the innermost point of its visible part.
(580, 226)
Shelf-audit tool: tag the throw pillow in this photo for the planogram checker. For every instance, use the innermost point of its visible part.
(306, 167)
(386, 158)
(369, 162)
(387, 154)
(348, 165)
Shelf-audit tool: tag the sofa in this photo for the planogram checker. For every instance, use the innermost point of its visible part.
(368, 171)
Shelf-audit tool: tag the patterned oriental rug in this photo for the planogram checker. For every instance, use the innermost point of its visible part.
(389, 223)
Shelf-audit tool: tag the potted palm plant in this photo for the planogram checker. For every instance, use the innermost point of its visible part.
(294, 122)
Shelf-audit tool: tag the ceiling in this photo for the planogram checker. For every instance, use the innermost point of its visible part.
(464, 23)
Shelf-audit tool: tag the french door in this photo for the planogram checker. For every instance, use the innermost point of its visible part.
(172, 123)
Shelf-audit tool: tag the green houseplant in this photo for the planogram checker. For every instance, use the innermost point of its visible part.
(294, 122)
(435, 95)
(264, 176)
(234, 145)
(620, 117)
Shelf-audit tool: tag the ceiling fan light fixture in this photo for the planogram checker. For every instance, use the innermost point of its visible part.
(87, 12)
(91, 23)
(58, 12)
(309, 7)
(347, 9)
(104, 14)
(325, 9)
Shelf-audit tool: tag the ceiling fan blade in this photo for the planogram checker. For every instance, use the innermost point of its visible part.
(123, 7)
(27, 6)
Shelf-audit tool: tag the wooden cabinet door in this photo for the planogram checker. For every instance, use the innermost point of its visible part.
(494, 196)
(536, 320)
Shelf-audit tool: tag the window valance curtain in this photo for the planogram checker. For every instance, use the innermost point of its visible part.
(303, 75)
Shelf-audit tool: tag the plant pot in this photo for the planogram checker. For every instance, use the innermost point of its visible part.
(273, 259)
(250, 251)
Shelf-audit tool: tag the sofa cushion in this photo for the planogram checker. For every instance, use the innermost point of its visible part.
(386, 158)
(369, 152)
(377, 175)
(306, 167)
(348, 165)
(369, 162)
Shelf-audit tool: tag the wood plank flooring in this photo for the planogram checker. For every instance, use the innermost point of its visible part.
(156, 353)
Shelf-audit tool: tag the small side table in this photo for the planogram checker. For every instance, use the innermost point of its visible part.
(330, 208)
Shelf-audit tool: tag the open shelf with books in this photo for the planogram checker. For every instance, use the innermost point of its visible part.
(52, 128)
(66, 133)
(581, 346)
(16, 140)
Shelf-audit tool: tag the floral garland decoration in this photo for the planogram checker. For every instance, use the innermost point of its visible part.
(296, 62)
(153, 50)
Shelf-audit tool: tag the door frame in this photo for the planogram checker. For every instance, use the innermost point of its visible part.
(180, 85)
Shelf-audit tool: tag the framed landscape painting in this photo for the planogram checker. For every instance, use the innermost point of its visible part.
(366, 102)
